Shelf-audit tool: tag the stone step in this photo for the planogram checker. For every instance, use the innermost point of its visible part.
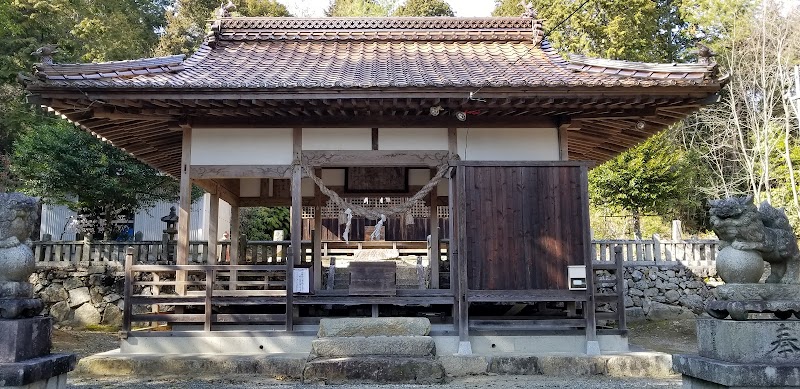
(374, 370)
(402, 346)
(379, 326)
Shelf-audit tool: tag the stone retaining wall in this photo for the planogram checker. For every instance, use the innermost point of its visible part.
(667, 292)
(81, 296)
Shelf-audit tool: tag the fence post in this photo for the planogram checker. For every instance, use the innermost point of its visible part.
(656, 249)
(127, 292)
(621, 324)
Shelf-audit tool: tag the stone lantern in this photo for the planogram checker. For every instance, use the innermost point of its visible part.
(169, 234)
(25, 341)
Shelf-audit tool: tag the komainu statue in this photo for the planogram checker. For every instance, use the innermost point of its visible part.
(764, 230)
(18, 214)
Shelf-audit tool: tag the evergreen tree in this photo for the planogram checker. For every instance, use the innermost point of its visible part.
(344, 8)
(424, 8)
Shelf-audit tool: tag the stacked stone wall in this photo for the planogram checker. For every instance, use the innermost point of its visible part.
(81, 296)
(667, 292)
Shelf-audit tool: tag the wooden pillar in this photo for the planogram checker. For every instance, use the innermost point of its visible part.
(433, 254)
(185, 208)
(234, 247)
(317, 250)
(592, 345)
(296, 225)
(563, 141)
(464, 345)
(213, 225)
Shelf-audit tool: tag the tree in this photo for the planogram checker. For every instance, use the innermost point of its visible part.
(60, 162)
(187, 23)
(637, 30)
(261, 222)
(749, 140)
(341, 8)
(650, 178)
(424, 8)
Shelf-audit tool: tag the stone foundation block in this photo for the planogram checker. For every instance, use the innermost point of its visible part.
(382, 326)
(374, 370)
(464, 365)
(406, 346)
(22, 339)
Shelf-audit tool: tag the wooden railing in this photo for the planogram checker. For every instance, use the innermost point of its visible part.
(634, 252)
(658, 252)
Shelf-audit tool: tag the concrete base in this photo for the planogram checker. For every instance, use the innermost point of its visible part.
(705, 373)
(529, 344)
(217, 342)
(36, 370)
(266, 342)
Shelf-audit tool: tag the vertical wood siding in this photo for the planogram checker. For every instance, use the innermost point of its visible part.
(524, 226)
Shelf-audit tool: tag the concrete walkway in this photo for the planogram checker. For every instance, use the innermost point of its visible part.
(476, 382)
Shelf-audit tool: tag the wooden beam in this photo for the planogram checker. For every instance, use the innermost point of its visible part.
(375, 158)
(185, 207)
(241, 171)
(213, 187)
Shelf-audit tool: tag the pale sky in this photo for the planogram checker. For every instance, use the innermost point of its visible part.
(315, 8)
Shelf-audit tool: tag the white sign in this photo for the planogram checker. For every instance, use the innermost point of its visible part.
(301, 284)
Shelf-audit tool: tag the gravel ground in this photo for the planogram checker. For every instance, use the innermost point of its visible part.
(488, 382)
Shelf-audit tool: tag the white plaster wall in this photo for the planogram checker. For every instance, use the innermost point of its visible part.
(418, 176)
(250, 187)
(412, 139)
(337, 139)
(508, 144)
(241, 146)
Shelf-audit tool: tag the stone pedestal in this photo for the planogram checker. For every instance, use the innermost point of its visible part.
(743, 354)
(25, 359)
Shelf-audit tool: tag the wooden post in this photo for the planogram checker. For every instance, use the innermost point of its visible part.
(621, 323)
(434, 252)
(185, 208)
(213, 225)
(317, 247)
(464, 345)
(296, 225)
(127, 309)
(592, 345)
(210, 275)
(234, 247)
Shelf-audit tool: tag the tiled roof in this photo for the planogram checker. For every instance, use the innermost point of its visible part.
(290, 53)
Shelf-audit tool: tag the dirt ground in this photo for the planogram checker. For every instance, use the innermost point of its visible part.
(670, 336)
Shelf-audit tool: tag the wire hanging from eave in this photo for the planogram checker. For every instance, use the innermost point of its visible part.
(473, 95)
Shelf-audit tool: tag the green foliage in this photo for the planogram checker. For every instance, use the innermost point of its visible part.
(58, 162)
(638, 30)
(260, 223)
(187, 24)
(342, 8)
(653, 177)
(424, 8)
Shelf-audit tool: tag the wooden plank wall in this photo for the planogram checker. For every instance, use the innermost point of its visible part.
(524, 226)
(395, 229)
